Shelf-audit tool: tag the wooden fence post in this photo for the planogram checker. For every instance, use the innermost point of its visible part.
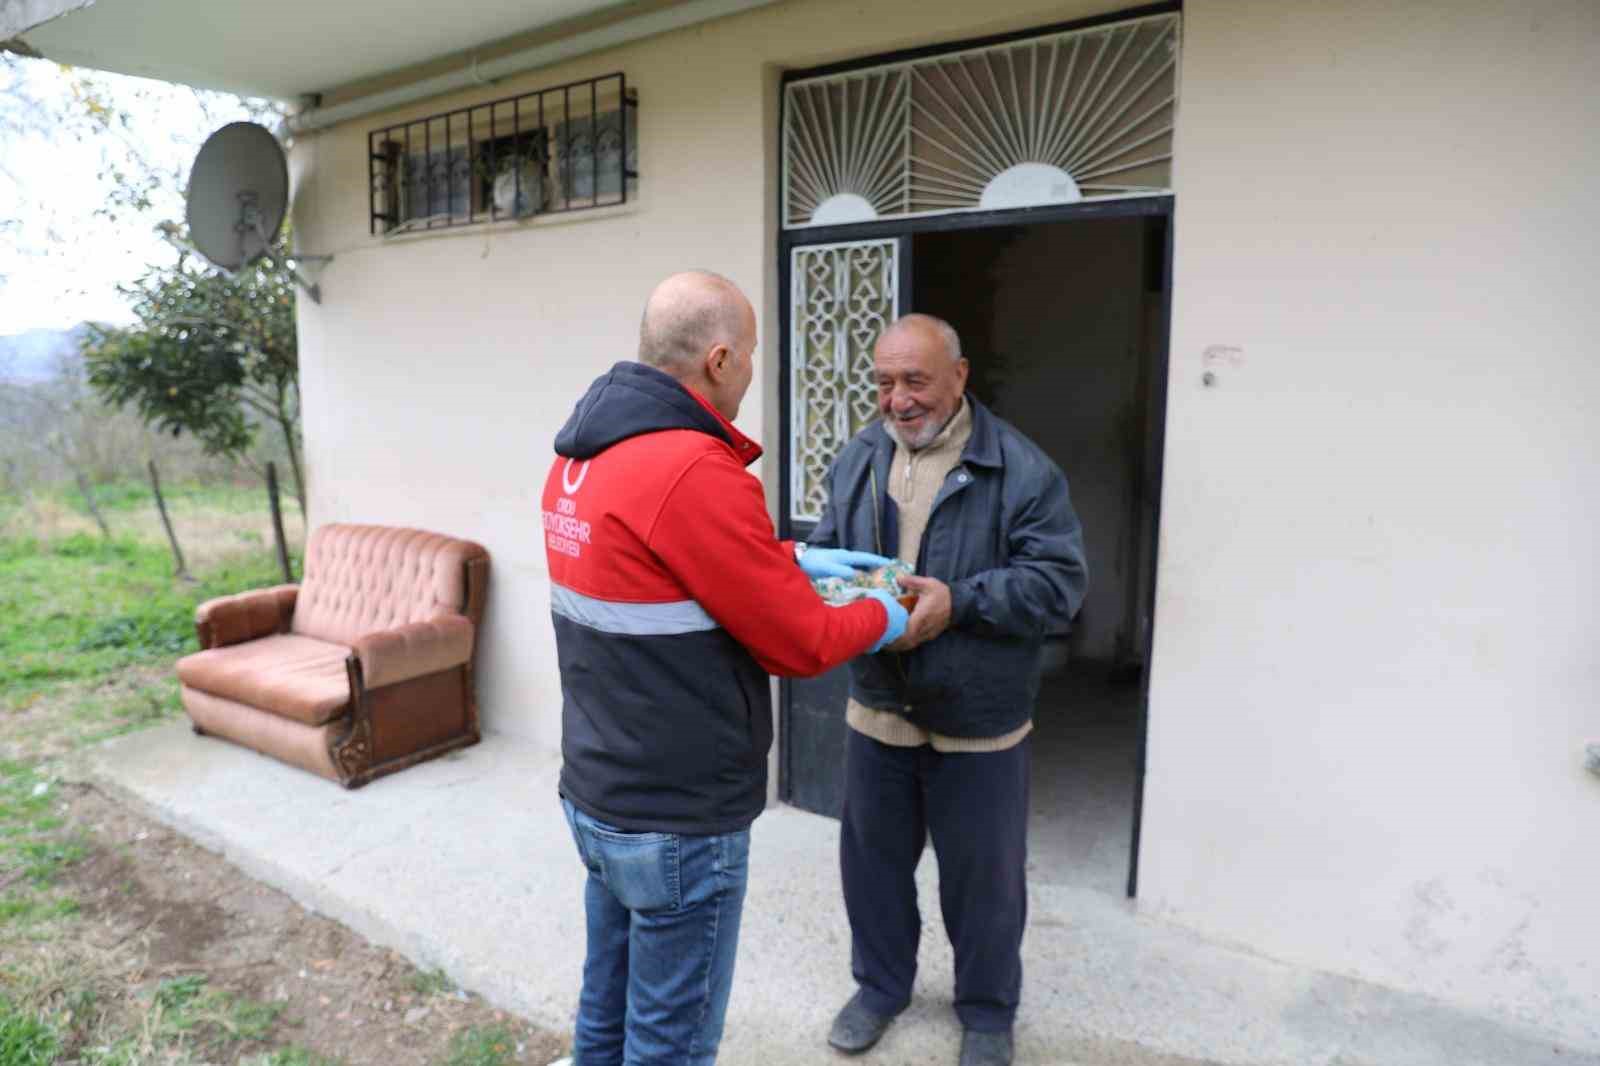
(88, 499)
(172, 538)
(277, 522)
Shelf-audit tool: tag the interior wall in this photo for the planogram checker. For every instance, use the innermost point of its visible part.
(1052, 319)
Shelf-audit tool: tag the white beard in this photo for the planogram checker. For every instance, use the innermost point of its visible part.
(929, 433)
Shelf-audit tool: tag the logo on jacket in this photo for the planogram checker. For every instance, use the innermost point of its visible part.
(564, 532)
(572, 484)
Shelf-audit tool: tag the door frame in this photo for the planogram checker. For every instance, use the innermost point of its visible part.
(904, 229)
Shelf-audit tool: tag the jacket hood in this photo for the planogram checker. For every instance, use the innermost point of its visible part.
(633, 399)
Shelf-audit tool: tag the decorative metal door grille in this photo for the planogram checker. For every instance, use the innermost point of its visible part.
(844, 296)
(1082, 115)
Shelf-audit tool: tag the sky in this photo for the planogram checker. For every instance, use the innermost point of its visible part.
(61, 263)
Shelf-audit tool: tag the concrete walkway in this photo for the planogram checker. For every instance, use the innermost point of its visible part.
(465, 864)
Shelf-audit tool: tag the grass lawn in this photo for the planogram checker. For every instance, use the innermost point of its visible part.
(89, 629)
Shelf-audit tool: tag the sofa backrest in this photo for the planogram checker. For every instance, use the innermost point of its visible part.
(363, 579)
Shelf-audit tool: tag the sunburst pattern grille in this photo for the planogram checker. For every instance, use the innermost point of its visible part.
(1086, 114)
(848, 140)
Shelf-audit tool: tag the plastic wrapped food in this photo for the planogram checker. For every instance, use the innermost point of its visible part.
(842, 590)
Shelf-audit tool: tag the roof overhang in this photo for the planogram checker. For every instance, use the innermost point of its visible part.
(318, 53)
(19, 16)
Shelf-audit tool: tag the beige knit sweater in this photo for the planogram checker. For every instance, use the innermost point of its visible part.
(915, 478)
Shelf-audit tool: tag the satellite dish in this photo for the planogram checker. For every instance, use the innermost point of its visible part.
(238, 198)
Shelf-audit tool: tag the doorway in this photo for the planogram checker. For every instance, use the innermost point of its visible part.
(1064, 326)
(1063, 316)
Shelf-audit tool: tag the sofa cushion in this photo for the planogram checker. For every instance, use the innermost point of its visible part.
(289, 675)
(363, 579)
(296, 743)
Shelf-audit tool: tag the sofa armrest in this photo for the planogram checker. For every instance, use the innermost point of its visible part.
(245, 616)
(415, 649)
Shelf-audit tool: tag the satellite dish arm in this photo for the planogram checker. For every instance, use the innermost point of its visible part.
(313, 290)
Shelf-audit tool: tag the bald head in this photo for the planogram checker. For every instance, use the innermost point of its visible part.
(699, 328)
(921, 329)
(688, 315)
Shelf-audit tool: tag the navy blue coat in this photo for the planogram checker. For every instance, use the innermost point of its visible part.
(1003, 535)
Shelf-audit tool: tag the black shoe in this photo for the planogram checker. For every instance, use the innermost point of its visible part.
(985, 1049)
(855, 1028)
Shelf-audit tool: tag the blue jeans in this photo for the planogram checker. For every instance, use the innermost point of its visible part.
(663, 916)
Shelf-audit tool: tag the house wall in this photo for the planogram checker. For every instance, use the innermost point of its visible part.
(439, 366)
(1375, 658)
(1374, 653)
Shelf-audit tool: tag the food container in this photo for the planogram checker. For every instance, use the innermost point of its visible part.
(842, 590)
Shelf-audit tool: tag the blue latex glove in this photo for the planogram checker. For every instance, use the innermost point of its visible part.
(836, 562)
(897, 620)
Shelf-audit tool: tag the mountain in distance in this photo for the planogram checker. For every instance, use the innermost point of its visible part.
(35, 354)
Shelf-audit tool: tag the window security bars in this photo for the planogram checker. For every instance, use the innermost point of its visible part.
(568, 148)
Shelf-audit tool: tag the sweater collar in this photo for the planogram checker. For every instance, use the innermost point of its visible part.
(983, 446)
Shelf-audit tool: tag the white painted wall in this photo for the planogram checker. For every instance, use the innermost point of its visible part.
(1375, 628)
(439, 367)
(1376, 623)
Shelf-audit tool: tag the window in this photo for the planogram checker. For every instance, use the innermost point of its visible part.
(566, 148)
(512, 174)
(592, 163)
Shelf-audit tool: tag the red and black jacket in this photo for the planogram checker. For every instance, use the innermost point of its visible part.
(672, 600)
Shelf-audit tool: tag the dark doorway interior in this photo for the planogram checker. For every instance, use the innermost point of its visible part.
(1064, 325)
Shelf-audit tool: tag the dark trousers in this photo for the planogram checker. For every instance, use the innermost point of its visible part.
(975, 807)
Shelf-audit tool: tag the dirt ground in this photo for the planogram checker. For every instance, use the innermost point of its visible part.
(123, 943)
(155, 906)
(62, 722)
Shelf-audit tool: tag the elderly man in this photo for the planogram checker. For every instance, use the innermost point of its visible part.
(672, 600)
(939, 722)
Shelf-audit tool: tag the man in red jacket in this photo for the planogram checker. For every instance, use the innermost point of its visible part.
(672, 600)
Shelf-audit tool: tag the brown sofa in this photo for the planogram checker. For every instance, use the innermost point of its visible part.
(363, 668)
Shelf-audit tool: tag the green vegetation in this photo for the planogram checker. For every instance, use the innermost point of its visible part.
(293, 1055)
(80, 607)
(432, 983)
(492, 1045)
(89, 628)
(34, 848)
(24, 1039)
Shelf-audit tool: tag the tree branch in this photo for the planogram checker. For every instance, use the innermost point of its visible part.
(264, 410)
